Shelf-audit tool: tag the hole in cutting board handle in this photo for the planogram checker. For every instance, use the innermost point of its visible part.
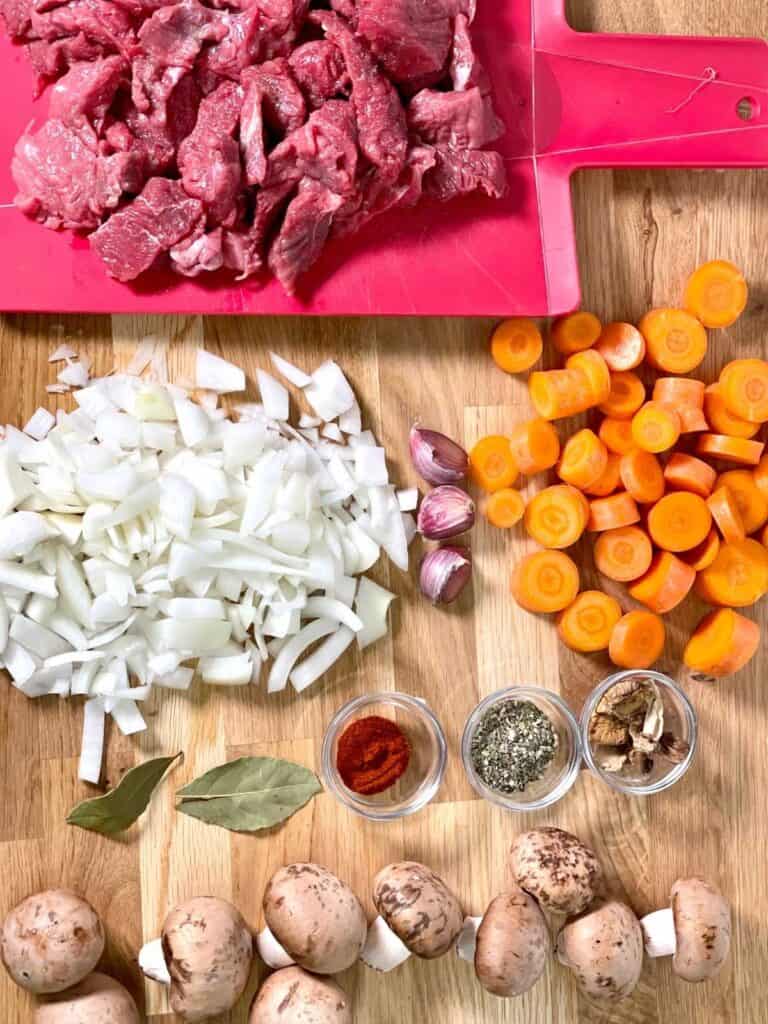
(747, 108)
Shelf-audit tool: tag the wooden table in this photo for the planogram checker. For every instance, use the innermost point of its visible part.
(640, 233)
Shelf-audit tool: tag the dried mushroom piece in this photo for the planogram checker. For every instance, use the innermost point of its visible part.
(608, 730)
(610, 759)
(626, 698)
(672, 748)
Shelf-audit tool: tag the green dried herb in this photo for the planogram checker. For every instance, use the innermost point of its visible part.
(513, 746)
(118, 810)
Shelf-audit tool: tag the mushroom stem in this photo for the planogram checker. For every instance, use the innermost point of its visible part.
(467, 940)
(152, 962)
(271, 952)
(383, 950)
(659, 933)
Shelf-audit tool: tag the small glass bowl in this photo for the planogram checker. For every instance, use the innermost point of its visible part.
(679, 718)
(426, 768)
(562, 772)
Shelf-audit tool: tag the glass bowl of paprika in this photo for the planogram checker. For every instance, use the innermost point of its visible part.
(384, 755)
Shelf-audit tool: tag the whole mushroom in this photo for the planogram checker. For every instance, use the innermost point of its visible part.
(556, 868)
(313, 919)
(97, 998)
(604, 949)
(695, 931)
(51, 941)
(292, 996)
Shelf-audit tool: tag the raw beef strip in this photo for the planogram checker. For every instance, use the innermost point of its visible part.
(141, 9)
(86, 91)
(347, 9)
(252, 133)
(284, 107)
(209, 158)
(319, 69)
(51, 59)
(303, 233)
(411, 38)
(102, 23)
(198, 253)
(16, 15)
(461, 120)
(324, 149)
(132, 239)
(281, 22)
(244, 246)
(378, 110)
(238, 49)
(160, 136)
(466, 69)
(458, 172)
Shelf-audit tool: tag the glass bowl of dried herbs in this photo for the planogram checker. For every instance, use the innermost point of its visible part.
(521, 748)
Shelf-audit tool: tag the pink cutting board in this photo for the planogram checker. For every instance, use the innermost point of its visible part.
(569, 100)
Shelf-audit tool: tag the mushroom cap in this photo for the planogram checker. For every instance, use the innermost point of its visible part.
(557, 868)
(51, 941)
(512, 944)
(291, 996)
(702, 918)
(419, 908)
(604, 948)
(208, 951)
(96, 999)
(315, 917)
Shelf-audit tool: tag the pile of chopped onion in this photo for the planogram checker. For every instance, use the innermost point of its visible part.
(146, 532)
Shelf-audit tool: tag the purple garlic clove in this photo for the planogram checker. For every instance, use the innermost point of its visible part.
(444, 573)
(445, 512)
(436, 458)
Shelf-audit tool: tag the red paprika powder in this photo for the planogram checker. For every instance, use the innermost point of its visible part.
(373, 753)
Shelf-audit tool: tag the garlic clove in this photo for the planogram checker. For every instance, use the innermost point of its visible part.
(446, 512)
(444, 573)
(436, 458)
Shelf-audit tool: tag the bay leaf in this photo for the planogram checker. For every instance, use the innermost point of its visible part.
(119, 809)
(249, 794)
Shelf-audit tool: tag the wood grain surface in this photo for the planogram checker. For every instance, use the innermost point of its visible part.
(639, 234)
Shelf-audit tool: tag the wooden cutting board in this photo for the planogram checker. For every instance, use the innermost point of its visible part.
(640, 234)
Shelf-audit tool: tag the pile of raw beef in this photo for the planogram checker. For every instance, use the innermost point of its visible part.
(246, 134)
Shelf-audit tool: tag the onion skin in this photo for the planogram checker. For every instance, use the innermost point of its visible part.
(444, 573)
(436, 458)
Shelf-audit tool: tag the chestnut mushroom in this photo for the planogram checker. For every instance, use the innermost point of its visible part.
(604, 948)
(292, 996)
(94, 1000)
(695, 931)
(556, 868)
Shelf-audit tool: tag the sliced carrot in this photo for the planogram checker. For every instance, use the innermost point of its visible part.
(679, 391)
(492, 465)
(760, 475)
(655, 428)
(575, 332)
(545, 581)
(687, 473)
(730, 449)
(621, 345)
(557, 516)
(703, 554)
(626, 397)
(616, 435)
(612, 513)
(595, 369)
(692, 420)
(535, 446)
(623, 554)
(637, 640)
(610, 479)
(665, 585)
(725, 512)
(504, 508)
(587, 624)
(716, 293)
(559, 393)
(722, 643)
(516, 345)
(584, 460)
(764, 536)
(642, 476)
(675, 341)
(744, 387)
(738, 576)
(750, 500)
(721, 420)
(679, 521)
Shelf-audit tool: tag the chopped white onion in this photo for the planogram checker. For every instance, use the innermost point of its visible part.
(372, 604)
(215, 374)
(40, 424)
(329, 394)
(318, 663)
(293, 650)
(61, 354)
(92, 746)
(274, 396)
(291, 373)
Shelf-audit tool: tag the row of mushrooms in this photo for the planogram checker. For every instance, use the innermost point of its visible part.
(316, 928)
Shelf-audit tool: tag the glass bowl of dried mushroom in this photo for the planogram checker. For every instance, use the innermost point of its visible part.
(638, 732)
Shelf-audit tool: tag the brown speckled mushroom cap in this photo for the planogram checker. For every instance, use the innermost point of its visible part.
(512, 944)
(292, 996)
(208, 951)
(419, 908)
(604, 949)
(556, 868)
(702, 918)
(315, 917)
(98, 999)
(51, 941)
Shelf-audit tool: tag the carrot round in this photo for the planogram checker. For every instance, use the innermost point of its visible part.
(587, 624)
(760, 475)
(725, 512)
(616, 435)
(637, 640)
(751, 501)
(703, 554)
(687, 473)
(516, 344)
(665, 585)
(610, 479)
(679, 521)
(492, 465)
(584, 460)
(623, 554)
(559, 393)
(721, 420)
(612, 513)
(679, 391)
(655, 428)
(676, 342)
(738, 576)
(535, 446)
(545, 581)
(557, 516)
(626, 397)
(504, 508)
(716, 293)
(642, 476)
(722, 643)
(744, 387)
(595, 369)
(621, 345)
(575, 332)
(730, 449)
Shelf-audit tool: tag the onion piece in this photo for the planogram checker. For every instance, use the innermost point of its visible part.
(234, 670)
(127, 717)
(92, 744)
(320, 661)
(329, 394)
(215, 374)
(291, 373)
(61, 354)
(194, 424)
(274, 396)
(293, 650)
(372, 604)
(40, 424)
(329, 608)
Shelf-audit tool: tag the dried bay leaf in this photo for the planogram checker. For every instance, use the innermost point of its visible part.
(118, 810)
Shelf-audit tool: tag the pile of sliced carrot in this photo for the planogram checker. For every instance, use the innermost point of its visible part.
(671, 481)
